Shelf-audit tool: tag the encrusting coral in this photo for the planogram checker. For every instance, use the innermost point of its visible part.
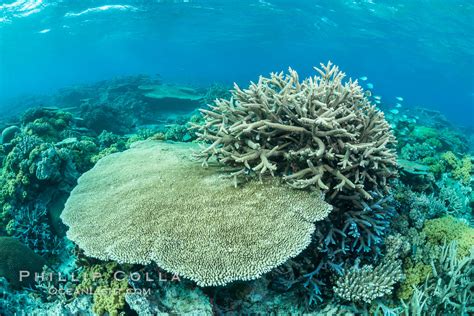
(319, 132)
(155, 203)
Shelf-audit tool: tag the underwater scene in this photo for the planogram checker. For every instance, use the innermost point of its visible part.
(247, 157)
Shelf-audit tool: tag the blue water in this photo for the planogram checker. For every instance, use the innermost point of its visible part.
(419, 50)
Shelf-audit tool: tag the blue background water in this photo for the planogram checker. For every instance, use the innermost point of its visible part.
(419, 50)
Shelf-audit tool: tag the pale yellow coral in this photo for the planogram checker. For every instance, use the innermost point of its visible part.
(461, 169)
(154, 203)
(464, 170)
(446, 229)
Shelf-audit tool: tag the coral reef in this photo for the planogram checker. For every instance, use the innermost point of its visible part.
(461, 169)
(216, 91)
(413, 168)
(105, 117)
(360, 229)
(39, 168)
(120, 105)
(456, 197)
(414, 276)
(157, 214)
(418, 206)
(318, 132)
(423, 227)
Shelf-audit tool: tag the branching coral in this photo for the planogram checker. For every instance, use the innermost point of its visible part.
(368, 283)
(448, 291)
(317, 132)
(30, 225)
(455, 197)
(357, 230)
(418, 206)
(154, 203)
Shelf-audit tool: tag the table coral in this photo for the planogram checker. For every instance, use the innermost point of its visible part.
(320, 132)
(154, 203)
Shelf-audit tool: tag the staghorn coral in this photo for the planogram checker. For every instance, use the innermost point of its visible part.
(358, 230)
(368, 283)
(131, 208)
(317, 132)
(448, 290)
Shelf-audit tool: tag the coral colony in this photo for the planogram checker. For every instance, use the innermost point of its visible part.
(290, 196)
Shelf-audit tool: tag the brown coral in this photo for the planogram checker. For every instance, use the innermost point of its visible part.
(316, 132)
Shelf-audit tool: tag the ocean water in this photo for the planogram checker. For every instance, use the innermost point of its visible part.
(135, 179)
(419, 50)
